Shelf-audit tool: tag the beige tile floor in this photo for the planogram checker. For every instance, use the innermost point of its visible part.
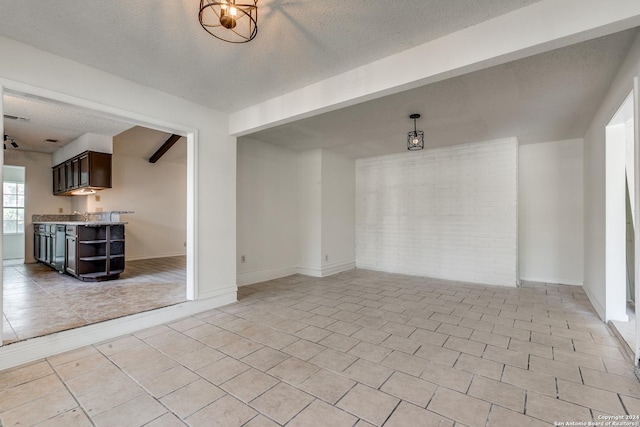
(40, 301)
(355, 349)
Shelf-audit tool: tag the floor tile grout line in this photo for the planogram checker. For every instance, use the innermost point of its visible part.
(338, 373)
(64, 383)
(148, 392)
(37, 279)
(392, 412)
(623, 405)
(290, 334)
(230, 379)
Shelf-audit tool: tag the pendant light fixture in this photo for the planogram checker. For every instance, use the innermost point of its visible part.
(415, 138)
(230, 21)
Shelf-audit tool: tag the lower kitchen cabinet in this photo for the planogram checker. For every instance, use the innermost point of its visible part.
(48, 245)
(95, 252)
(89, 252)
(38, 242)
(70, 253)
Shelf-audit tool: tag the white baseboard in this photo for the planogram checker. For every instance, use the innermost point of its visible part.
(138, 258)
(509, 284)
(257, 276)
(37, 348)
(552, 281)
(594, 302)
(328, 269)
(309, 271)
(218, 293)
(338, 267)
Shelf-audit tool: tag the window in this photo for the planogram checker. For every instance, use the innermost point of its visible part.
(13, 207)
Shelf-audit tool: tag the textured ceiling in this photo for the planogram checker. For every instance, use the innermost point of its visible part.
(66, 123)
(159, 43)
(547, 97)
(48, 120)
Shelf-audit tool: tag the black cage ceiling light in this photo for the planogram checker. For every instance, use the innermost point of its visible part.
(415, 138)
(229, 20)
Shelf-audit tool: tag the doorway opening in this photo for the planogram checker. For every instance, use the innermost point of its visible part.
(158, 272)
(620, 213)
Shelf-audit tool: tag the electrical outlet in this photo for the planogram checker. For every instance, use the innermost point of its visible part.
(97, 198)
(60, 210)
(98, 209)
(326, 258)
(185, 244)
(243, 259)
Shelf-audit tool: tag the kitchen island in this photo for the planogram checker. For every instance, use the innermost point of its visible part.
(91, 250)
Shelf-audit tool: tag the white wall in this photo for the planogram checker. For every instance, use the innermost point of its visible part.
(550, 212)
(338, 212)
(86, 142)
(267, 208)
(294, 209)
(446, 213)
(594, 180)
(14, 243)
(25, 68)
(310, 212)
(630, 167)
(326, 213)
(616, 224)
(39, 198)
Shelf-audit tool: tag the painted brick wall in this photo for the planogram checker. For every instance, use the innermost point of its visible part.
(447, 213)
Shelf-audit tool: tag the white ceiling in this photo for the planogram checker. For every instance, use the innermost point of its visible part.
(159, 43)
(548, 97)
(46, 119)
(49, 120)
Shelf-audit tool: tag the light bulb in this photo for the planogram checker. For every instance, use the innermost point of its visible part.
(227, 15)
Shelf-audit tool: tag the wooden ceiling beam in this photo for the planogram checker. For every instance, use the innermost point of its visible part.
(164, 148)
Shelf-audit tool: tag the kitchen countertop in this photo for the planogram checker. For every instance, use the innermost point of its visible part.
(93, 218)
(87, 223)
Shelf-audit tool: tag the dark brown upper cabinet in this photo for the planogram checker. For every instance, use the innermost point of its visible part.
(90, 169)
(59, 183)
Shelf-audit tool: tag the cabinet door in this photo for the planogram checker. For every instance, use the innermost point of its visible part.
(68, 172)
(100, 169)
(84, 170)
(75, 170)
(36, 245)
(48, 248)
(59, 180)
(43, 247)
(56, 180)
(70, 254)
